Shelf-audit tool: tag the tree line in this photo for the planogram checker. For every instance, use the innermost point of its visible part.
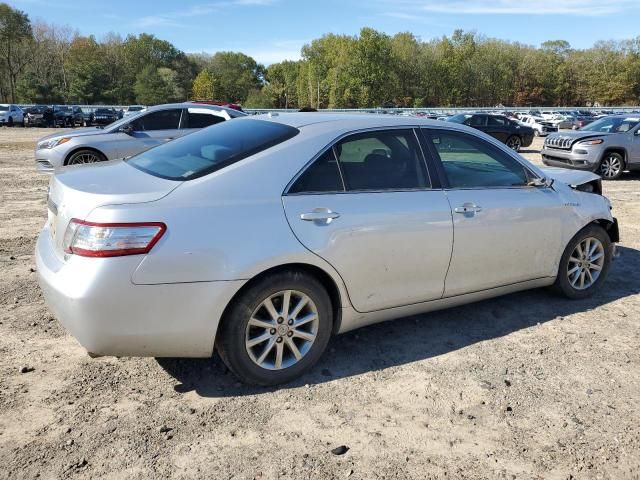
(47, 63)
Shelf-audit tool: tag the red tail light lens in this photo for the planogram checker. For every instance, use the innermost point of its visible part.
(89, 239)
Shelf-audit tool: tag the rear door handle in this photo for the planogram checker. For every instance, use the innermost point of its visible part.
(319, 215)
(468, 208)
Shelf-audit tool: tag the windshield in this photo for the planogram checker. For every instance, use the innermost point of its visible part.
(612, 125)
(103, 111)
(4, 108)
(460, 118)
(211, 149)
(62, 109)
(134, 109)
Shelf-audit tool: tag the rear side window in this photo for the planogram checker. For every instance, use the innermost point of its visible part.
(201, 118)
(477, 121)
(497, 121)
(382, 160)
(211, 149)
(322, 176)
(161, 120)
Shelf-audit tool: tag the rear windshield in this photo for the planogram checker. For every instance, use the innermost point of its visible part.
(211, 149)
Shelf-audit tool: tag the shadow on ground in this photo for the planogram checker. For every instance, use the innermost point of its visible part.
(419, 337)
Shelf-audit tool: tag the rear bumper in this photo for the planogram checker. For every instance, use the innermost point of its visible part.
(95, 300)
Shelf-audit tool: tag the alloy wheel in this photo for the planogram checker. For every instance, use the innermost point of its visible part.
(514, 143)
(83, 158)
(585, 263)
(610, 166)
(281, 330)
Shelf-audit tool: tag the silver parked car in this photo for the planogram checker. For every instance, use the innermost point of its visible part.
(608, 146)
(128, 136)
(265, 235)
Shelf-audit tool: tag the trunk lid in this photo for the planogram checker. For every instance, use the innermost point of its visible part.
(76, 191)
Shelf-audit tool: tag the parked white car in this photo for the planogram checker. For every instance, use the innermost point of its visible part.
(265, 235)
(133, 109)
(11, 115)
(541, 127)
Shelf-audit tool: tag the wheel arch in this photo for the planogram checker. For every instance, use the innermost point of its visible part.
(318, 273)
(620, 150)
(82, 147)
(610, 227)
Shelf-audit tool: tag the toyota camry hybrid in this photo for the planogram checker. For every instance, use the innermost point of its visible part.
(262, 237)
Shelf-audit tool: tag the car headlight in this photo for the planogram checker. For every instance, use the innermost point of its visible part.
(54, 142)
(591, 141)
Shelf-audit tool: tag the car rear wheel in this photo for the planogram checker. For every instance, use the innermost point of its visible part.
(585, 263)
(514, 142)
(10, 122)
(612, 166)
(82, 157)
(276, 329)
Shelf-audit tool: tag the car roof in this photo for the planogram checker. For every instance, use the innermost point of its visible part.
(218, 108)
(362, 120)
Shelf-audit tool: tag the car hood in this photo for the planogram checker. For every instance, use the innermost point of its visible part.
(79, 132)
(570, 177)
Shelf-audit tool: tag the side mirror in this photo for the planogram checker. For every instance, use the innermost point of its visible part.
(128, 129)
(541, 182)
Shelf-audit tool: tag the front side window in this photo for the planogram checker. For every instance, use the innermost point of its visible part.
(160, 120)
(473, 163)
(211, 149)
(382, 160)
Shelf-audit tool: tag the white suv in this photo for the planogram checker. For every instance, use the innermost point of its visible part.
(11, 114)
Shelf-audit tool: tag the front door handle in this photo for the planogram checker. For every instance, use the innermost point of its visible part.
(468, 209)
(323, 215)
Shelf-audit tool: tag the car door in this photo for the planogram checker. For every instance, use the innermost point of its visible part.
(368, 207)
(154, 128)
(498, 127)
(505, 231)
(633, 157)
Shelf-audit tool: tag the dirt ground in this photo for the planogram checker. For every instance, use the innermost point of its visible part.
(527, 386)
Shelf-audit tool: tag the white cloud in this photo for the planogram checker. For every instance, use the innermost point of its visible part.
(419, 8)
(201, 9)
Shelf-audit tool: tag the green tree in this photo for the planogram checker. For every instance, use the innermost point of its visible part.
(15, 33)
(87, 71)
(204, 86)
(150, 88)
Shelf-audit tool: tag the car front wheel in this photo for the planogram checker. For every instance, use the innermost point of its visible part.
(85, 156)
(612, 166)
(585, 263)
(277, 329)
(514, 142)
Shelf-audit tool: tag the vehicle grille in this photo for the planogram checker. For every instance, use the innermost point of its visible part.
(557, 159)
(558, 142)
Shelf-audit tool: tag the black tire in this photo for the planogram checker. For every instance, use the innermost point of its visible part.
(10, 122)
(230, 340)
(562, 285)
(514, 142)
(77, 157)
(611, 166)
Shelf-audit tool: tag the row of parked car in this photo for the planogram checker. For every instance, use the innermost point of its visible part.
(63, 115)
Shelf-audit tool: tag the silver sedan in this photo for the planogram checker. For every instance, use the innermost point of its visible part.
(262, 237)
(131, 135)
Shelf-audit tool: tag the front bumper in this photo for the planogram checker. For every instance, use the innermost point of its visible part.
(48, 159)
(95, 300)
(555, 157)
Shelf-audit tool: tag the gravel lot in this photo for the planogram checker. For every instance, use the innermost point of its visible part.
(526, 386)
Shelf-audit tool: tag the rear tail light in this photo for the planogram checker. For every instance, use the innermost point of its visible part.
(89, 239)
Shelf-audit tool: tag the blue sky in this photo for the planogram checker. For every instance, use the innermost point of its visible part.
(274, 30)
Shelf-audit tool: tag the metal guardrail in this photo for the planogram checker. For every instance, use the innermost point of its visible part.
(436, 110)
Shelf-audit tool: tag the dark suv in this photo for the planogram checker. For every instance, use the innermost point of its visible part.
(508, 131)
(67, 116)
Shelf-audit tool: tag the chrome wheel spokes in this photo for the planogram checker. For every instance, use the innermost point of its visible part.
(84, 158)
(610, 166)
(281, 330)
(514, 143)
(585, 263)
